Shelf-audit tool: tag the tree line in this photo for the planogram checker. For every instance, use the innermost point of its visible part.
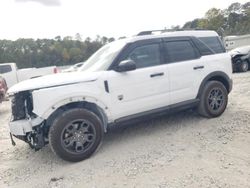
(47, 52)
(235, 20)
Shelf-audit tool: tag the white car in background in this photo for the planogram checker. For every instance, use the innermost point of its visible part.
(74, 68)
(13, 75)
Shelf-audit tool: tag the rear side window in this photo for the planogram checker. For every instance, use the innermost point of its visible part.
(146, 55)
(214, 43)
(203, 48)
(5, 69)
(176, 51)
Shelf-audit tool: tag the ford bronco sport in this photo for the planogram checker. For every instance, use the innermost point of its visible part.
(123, 81)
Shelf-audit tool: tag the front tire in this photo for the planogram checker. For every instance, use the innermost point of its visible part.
(213, 99)
(75, 134)
(243, 66)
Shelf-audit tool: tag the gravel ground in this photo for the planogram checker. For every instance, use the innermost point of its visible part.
(181, 150)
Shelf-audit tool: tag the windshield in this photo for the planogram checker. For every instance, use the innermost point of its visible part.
(102, 59)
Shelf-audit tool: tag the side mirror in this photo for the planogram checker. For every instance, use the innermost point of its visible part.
(126, 65)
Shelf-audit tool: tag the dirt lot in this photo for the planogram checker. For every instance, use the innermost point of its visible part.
(182, 150)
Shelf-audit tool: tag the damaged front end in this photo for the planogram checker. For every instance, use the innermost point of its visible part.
(24, 124)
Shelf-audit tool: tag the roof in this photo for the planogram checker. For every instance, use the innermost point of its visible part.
(195, 33)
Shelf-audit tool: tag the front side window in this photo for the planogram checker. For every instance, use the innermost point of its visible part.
(5, 69)
(146, 55)
(176, 51)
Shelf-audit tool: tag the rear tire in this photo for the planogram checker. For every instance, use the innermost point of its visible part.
(75, 134)
(213, 99)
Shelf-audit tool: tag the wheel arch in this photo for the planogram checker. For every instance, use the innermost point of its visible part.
(216, 76)
(100, 110)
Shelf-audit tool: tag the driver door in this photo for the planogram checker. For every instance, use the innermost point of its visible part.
(143, 89)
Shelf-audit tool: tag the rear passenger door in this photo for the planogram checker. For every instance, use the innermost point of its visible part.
(185, 68)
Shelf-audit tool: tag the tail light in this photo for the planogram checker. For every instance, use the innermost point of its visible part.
(3, 85)
(56, 70)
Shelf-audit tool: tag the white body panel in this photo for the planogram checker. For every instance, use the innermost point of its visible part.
(139, 91)
(185, 80)
(54, 80)
(187, 88)
(49, 99)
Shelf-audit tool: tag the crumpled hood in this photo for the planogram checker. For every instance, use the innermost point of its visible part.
(54, 80)
(240, 50)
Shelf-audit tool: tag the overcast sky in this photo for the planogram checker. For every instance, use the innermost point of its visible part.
(111, 18)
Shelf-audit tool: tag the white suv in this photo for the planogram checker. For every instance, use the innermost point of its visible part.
(125, 80)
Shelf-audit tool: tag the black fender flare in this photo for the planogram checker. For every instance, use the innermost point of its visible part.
(218, 76)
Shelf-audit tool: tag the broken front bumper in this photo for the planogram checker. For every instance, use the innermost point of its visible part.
(30, 131)
(24, 126)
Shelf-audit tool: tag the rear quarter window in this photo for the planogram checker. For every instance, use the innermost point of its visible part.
(214, 43)
(203, 48)
(5, 69)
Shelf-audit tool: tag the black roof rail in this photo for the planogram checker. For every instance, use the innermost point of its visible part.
(167, 30)
(150, 32)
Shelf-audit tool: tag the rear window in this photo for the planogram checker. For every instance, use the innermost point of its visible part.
(214, 43)
(5, 69)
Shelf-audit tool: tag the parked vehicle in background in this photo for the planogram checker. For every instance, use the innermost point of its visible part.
(232, 42)
(3, 89)
(125, 80)
(74, 67)
(14, 75)
(241, 59)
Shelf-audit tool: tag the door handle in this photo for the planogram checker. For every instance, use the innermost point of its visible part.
(198, 67)
(156, 74)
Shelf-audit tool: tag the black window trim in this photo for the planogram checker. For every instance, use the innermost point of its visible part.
(189, 39)
(163, 61)
(195, 42)
(131, 46)
(219, 41)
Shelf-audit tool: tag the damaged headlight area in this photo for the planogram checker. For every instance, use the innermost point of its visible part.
(24, 124)
(22, 105)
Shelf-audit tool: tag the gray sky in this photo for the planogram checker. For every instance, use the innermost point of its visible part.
(111, 18)
(44, 2)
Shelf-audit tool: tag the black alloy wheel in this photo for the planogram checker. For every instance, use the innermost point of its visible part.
(76, 134)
